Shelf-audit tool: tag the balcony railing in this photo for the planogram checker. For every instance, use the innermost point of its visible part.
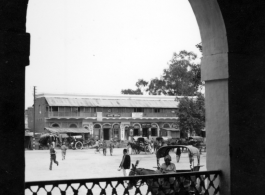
(159, 115)
(82, 114)
(202, 182)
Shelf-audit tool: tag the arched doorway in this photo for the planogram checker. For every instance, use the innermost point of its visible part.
(136, 130)
(97, 131)
(106, 131)
(239, 24)
(116, 131)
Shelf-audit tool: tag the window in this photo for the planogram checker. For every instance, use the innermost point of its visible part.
(73, 126)
(153, 131)
(54, 108)
(164, 133)
(148, 110)
(166, 126)
(97, 126)
(74, 109)
(67, 109)
(156, 110)
(138, 110)
(87, 110)
(55, 125)
(61, 109)
(99, 109)
(135, 132)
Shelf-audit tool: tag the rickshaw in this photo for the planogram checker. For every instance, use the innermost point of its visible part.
(193, 151)
(144, 144)
(184, 185)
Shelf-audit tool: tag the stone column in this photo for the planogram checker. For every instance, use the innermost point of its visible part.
(14, 56)
(122, 129)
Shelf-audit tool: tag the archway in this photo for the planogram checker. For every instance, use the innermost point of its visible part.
(55, 125)
(244, 20)
(72, 125)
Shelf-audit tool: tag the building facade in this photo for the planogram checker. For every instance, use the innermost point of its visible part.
(107, 117)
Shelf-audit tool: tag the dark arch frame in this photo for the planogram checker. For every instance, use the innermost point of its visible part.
(232, 33)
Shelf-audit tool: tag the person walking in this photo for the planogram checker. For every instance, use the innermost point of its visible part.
(111, 146)
(97, 147)
(178, 153)
(125, 163)
(104, 147)
(63, 148)
(53, 157)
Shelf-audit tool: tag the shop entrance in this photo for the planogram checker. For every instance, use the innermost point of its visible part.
(145, 132)
(106, 134)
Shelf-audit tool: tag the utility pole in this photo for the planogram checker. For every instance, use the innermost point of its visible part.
(34, 94)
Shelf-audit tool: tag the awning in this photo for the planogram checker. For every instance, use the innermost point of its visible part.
(67, 130)
(170, 129)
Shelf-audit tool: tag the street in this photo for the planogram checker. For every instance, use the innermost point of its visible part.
(85, 163)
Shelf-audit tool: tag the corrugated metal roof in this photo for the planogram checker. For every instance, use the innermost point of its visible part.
(88, 102)
(67, 130)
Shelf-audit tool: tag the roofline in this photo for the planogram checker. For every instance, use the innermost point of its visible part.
(93, 96)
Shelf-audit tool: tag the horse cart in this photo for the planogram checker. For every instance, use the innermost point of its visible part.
(140, 145)
(72, 142)
(177, 184)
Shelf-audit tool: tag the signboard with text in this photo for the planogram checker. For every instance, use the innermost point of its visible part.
(99, 116)
(137, 114)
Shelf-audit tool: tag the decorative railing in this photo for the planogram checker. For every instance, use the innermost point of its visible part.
(202, 182)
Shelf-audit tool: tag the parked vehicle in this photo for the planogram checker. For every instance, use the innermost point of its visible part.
(185, 185)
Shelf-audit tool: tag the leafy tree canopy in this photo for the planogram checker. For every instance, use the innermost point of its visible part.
(181, 78)
(140, 84)
(191, 115)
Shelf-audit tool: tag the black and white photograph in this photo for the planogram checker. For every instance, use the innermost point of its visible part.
(128, 97)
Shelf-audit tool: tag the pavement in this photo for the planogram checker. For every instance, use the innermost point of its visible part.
(80, 164)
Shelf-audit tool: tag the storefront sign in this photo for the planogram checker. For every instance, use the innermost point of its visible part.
(137, 114)
(146, 125)
(99, 116)
(113, 115)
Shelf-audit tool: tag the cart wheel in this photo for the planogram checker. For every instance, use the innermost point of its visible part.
(78, 145)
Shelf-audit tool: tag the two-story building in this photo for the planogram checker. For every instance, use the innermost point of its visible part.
(106, 116)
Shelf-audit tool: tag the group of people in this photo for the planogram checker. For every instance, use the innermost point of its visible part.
(53, 154)
(103, 144)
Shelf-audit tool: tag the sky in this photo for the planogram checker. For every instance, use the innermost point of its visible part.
(104, 46)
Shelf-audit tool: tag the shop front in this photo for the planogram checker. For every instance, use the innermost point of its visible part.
(116, 132)
(106, 131)
(97, 131)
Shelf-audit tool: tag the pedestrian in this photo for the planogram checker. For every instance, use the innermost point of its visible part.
(97, 147)
(125, 163)
(178, 153)
(63, 148)
(53, 156)
(104, 147)
(111, 146)
(192, 152)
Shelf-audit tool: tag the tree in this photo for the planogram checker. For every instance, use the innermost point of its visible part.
(191, 114)
(140, 84)
(181, 78)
